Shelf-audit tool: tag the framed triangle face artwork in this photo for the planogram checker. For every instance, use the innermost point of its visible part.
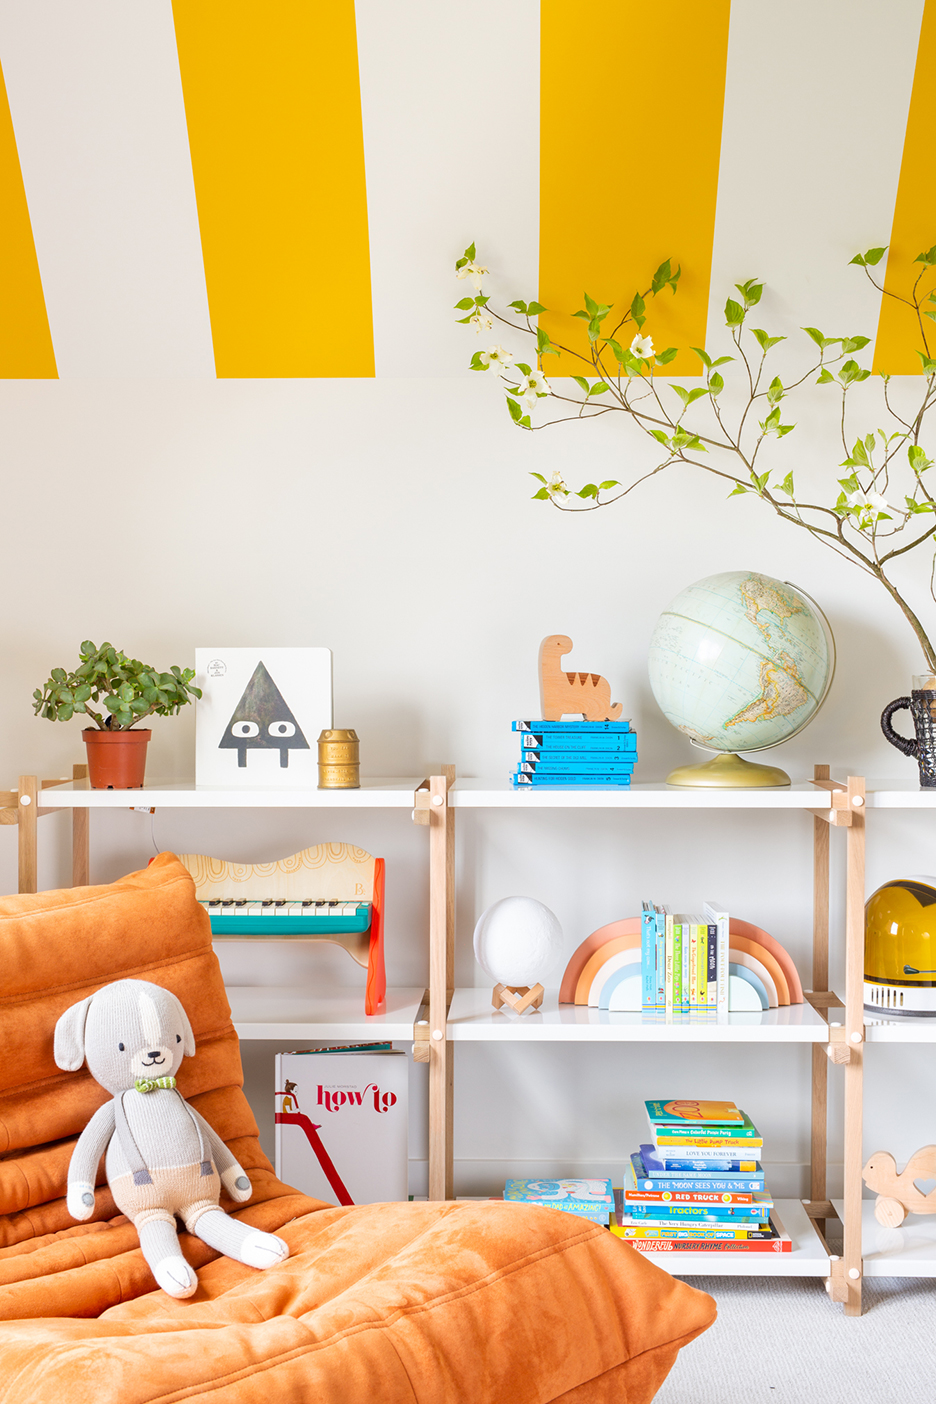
(260, 716)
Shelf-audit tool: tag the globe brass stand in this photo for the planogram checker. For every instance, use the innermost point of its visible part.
(728, 772)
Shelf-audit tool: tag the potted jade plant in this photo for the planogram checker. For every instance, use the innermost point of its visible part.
(128, 691)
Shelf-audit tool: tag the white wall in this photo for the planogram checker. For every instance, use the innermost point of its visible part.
(390, 520)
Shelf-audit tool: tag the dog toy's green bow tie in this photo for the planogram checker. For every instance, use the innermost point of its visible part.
(149, 1084)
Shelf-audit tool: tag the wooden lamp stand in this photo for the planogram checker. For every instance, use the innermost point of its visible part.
(520, 998)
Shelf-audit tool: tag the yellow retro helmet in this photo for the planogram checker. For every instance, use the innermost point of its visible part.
(900, 949)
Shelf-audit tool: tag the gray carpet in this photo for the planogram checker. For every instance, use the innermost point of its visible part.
(781, 1341)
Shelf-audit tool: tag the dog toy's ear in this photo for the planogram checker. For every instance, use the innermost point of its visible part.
(188, 1038)
(68, 1048)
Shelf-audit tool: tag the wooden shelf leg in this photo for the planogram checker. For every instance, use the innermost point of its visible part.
(854, 1030)
(441, 983)
(27, 829)
(81, 835)
(818, 1186)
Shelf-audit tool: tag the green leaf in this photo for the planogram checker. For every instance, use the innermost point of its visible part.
(470, 254)
(66, 712)
(139, 706)
(722, 361)
(750, 291)
(525, 422)
(540, 496)
(851, 373)
(663, 358)
(476, 363)
(620, 355)
(928, 365)
(928, 257)
(660, 437)
(581, 382)
(599, 387)
(544, 346)
(516, 413)
(917, 507)
(522, 366)
(518, 306)
(681, 392)
(113, 704)
(539, 477)
(716, 383)
(817, 336)
(787, 485)
(591, 306)
(58, 675)
(734, 313)
(612, 482)
(637, 309)
(703, 356)
(775, 391)
(464, 305)
(589, 490)
(918, 459)
(825, 376)
(739, 489)
(855, 343)
(534, 309)
(764, 341)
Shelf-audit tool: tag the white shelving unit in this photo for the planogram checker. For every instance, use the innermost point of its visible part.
(182, 794)
(465, 1015)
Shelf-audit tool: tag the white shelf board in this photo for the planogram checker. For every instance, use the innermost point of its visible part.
(900, 1030)
(909, 1251)
(808, 1258)
(182, 794)
(473, 1019)
(645, 794)
(285, 1012)
(899, 794)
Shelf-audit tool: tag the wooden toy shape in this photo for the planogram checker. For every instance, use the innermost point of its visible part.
(519, 997)
(898, 1195)
(562, 693)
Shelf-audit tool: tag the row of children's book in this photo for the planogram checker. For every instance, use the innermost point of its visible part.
(697, 1185)
(575, 755)
(684, 961)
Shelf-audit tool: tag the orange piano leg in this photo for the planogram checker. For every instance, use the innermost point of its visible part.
(376, 990)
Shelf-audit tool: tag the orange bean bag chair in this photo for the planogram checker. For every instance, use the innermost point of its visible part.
(443, 1303)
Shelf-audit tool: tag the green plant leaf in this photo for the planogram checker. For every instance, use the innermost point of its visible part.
(637, 309)
(739, 489)
(787, 485)
(663, 358)
(854, 343)
(918, 459)
(703, 356)
(825, 377)
(734, 313)
(851, 373)
(539, 477)
(764, 341)
(750, 291)
(535, 309)
(464, 304)
(540, 496)
(716, 383)
(589, 490)
(611, 483)
(928, 256)
(581, 382)
(775, 391)
(599, 387)
(516, 413)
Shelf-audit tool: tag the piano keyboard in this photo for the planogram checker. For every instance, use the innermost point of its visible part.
(285, 919)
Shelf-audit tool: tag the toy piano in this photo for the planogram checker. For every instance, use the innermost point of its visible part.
(333, 892)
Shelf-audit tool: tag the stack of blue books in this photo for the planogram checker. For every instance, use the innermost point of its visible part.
(599, 755)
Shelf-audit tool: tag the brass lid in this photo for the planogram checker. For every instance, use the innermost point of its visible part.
(338, 736)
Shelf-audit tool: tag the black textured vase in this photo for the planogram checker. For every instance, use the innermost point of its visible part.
(921, 704)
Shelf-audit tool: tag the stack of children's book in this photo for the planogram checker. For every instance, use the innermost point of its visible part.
(684, 963)
(587, 1199)
(698, 1184)
(575, 754)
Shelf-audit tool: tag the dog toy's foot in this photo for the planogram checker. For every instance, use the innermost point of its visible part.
(262, 1250)
(175, 1277)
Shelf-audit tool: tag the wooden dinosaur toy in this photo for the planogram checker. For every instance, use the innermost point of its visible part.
(561, 693)
(897, 1195)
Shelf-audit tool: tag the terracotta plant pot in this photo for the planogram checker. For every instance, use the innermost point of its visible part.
(116, 759)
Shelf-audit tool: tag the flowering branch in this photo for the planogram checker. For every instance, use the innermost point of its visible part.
(883, 508)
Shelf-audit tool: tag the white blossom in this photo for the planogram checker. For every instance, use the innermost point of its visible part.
(533, 387)
(867, 502)
(481, 322)
(496, 358)
(556, 487)
(642, 347)
(474, 271)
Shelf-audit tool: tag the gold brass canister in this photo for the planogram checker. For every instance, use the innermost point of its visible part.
(339, 760)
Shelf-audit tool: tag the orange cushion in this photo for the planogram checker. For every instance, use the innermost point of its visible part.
(457, 1302)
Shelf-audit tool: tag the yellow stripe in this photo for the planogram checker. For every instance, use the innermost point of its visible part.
(632, 94)
(914, 227)
(25, 341)
(273, 104)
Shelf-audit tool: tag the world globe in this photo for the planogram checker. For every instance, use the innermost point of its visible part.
(740, 662)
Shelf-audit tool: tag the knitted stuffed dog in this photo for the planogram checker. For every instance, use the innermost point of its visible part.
(163, 1159)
